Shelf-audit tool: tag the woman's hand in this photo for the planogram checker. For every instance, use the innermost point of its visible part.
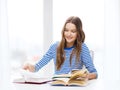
(92, 76)
(29, 66)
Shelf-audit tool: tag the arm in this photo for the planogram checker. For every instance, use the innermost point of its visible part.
(88, 62)
(45, 59)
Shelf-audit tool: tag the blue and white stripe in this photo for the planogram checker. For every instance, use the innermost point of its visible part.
(85, 58)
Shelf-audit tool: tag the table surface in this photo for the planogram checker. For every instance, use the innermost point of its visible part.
(93, 85)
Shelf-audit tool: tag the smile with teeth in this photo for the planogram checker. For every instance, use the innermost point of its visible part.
(69, 38)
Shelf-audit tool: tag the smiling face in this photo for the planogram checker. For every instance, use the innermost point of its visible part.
(70, 34)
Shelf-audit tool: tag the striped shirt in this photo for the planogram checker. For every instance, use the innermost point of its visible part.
(85, 59)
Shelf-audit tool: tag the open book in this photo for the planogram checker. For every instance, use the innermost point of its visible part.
(77, 78)
(31, 78)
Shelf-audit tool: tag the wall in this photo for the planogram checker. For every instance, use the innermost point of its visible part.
(112, 40)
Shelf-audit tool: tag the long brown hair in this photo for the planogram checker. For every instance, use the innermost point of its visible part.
(78, 42)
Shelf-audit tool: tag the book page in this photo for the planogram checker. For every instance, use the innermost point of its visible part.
(31, 77)
(62, 76)
(58, 83)
(77, 83)
(62, 79)
(27, 74)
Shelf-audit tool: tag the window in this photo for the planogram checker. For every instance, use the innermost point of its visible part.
(25, 26)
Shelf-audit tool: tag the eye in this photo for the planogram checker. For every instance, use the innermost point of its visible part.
(66, 30)
(74, 31)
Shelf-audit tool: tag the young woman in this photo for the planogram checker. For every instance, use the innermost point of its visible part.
(70, 53)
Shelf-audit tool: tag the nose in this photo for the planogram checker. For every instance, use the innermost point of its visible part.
(69, 33)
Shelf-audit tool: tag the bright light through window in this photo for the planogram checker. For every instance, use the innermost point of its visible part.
(25, 26)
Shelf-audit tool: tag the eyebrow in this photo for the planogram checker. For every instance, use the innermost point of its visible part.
(71, 29)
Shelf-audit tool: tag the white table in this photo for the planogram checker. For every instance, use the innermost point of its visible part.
(93, 85)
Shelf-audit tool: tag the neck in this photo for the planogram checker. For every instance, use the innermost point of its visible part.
(69, 45)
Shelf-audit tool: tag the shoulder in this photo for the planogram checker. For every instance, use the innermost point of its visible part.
(54, 45)
(85, 47)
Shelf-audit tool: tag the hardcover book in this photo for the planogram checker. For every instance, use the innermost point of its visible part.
(77, 78)
(31, 78)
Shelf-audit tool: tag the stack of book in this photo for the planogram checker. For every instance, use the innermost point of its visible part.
(76, 78)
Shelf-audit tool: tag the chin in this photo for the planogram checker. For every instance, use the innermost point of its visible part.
(68, 41)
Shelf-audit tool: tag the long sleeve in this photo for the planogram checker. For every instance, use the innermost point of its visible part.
(86, 59)
(46, 58)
